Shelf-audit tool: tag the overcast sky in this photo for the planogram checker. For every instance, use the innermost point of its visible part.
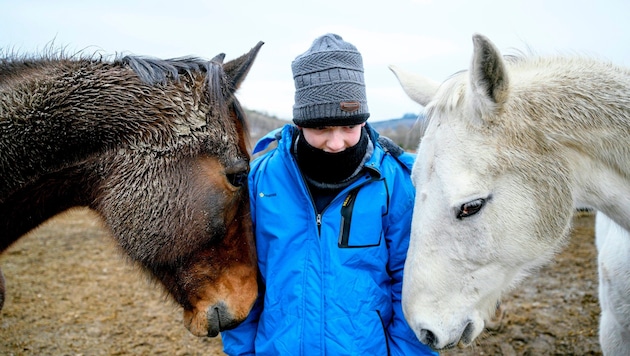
(431, 37)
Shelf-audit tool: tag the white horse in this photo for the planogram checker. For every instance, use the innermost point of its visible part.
(512, 146)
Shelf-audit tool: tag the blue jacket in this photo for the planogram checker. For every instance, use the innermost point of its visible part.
(330, 283)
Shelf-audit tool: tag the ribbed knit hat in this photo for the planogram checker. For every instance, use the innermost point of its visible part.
(329, 84)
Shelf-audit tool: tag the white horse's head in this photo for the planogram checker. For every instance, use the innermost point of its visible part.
(493, 201)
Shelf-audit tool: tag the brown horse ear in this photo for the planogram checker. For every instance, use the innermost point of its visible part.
(218, 58)
(238, 68)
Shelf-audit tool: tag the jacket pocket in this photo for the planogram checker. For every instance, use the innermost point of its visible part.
(362, 216)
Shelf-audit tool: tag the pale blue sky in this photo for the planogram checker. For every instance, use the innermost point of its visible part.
(431, 37)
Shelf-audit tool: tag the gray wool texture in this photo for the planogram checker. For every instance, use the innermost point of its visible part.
(329, 84)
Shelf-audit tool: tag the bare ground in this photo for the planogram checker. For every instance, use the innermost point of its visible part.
(71, 292)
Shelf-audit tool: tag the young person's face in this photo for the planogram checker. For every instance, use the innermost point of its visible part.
(333, 139)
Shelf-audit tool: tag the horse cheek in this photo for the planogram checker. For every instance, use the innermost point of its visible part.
(220, 280)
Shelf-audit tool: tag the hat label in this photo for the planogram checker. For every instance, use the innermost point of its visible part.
(350, 106)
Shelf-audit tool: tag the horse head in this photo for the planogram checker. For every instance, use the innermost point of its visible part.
(159, 148)
(493, 198)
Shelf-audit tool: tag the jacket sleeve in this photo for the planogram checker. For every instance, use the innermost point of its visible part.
(240, 340)
(402, 340)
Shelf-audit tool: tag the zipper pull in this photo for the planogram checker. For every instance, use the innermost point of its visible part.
(319, 220)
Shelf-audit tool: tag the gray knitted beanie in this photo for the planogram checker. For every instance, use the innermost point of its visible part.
(329, 84)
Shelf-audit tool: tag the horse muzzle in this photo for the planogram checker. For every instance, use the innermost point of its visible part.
(211, 320)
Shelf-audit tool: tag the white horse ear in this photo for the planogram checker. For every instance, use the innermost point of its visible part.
(488, 77)
(420, 89)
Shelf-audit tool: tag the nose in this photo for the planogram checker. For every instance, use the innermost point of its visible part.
(335, 142)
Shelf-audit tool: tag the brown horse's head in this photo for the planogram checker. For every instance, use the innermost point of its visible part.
(159, 149)
(182, 208)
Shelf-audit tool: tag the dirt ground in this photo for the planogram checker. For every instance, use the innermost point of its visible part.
(70, 292)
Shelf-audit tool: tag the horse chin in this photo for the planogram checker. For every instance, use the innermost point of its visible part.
(495, 321)
(466, 338)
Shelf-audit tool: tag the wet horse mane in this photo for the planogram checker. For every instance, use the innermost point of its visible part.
(150, 70)
(155, 71)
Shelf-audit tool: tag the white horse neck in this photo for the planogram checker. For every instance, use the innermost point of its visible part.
(587, 111)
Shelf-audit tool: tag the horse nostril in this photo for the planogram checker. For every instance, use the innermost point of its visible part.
(428, 338)
(467, 334)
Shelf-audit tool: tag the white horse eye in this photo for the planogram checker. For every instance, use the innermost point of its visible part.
(470, 208)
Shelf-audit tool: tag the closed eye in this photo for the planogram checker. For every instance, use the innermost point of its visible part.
(237, 173)
(471, 208)
(237, 179)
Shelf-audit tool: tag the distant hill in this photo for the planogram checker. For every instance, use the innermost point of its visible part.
(260, 124)
(404, 130)
(407, 120)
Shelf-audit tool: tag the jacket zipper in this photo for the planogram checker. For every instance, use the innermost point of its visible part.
(318, 219)
(347, 207)
(380, 317)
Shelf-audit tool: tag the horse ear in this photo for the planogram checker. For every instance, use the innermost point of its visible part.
(218, 58)
(488, 77)
(418, 88)
(238, 68)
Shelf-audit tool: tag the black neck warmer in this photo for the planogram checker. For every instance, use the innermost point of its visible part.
(326, 170)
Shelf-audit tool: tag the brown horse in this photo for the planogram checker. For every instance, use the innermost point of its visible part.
(159, 148)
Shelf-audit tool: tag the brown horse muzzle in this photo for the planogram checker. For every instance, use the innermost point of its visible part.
(227, 303)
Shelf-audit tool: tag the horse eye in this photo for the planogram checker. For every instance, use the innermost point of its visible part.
(237, 179)
(470, 208)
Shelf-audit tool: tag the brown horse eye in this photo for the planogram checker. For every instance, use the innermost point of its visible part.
(237, 179)
(470, 208)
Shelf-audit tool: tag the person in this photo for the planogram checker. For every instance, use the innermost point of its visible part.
(331, 209)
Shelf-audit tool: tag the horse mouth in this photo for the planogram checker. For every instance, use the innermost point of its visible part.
(220, 319)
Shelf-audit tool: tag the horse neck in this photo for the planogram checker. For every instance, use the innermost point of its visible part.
(49, 135)
(602, 180)
(587, 112)
(37, 140)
